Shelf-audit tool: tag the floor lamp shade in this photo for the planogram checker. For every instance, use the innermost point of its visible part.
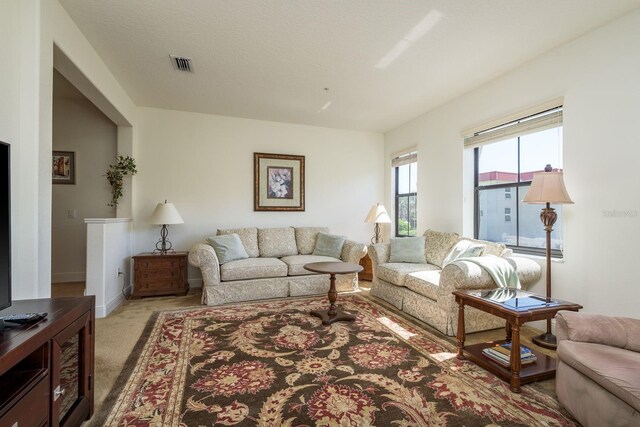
(546, 188)
(378, 215)
(165, 214)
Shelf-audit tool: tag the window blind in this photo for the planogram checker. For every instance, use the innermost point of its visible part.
(404, 159)
(526, 125)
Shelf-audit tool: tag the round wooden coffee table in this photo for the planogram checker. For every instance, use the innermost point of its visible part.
(334, 313)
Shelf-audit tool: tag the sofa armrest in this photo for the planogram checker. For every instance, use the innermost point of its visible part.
(466, 275)
(204, 257)
(353, 251)
(379, 253)
(621, 332)
(528, 270)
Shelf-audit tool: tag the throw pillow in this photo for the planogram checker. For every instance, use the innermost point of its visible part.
(329, 245)
(407, 249)
(228, 247)
(249, 238)
(463, 249)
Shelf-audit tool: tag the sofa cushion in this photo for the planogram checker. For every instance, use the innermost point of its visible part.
(329, 245)
(407, 249)
(252, 268)
(277, 242)
(613, 368)
(395, 272)
(295, 263)
(491, 248)
(438, 245)
(228, 247)
(249, 238)
(424, 283)
(306, 238)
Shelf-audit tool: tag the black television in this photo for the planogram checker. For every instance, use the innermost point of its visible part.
(5, 225)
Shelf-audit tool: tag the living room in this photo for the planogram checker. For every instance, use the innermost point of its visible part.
(199, 156)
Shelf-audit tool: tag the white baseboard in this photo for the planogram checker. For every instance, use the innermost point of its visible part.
(79, 276)
(104, 310)
(194, 283)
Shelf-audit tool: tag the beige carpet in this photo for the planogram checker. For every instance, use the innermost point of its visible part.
(117, 334)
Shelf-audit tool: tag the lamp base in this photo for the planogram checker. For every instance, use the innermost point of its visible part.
(546, 340)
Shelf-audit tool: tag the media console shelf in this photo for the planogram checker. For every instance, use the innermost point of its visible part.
(46, 369)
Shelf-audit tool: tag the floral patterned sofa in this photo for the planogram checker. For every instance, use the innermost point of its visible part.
(275, 267)
(424, 290)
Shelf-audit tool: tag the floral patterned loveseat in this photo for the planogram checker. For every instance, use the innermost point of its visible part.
(275, 267)
(424, 290)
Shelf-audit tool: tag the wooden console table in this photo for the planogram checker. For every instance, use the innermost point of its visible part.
(515, 317)
(46, 369)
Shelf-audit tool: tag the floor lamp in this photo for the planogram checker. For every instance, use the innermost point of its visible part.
(546, 188)
(379, 215)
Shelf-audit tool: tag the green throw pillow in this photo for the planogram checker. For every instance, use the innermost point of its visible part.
(463, 249)
(408, 249)
(228, 247)
(329, 245)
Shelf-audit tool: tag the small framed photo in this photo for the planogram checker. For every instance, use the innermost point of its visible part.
(278, 182)
(63, 167)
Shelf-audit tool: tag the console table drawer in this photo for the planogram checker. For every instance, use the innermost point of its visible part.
(159, 274)
(150, 264)
(31, 410)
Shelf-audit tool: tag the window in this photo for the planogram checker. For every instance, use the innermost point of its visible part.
(506, 157)
(406, 177)
(507, 214)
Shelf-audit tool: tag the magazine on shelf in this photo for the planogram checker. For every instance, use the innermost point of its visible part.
(503, 360)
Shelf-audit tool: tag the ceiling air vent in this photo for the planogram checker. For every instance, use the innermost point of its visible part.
(181, 63)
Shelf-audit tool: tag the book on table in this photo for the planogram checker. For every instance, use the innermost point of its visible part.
(502, 354)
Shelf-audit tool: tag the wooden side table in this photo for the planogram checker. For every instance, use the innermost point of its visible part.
(333, 313)
(156, 275)
(516, 374)
(367, 269)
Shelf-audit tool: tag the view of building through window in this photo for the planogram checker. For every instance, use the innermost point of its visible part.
(504, 173)
(406, 199)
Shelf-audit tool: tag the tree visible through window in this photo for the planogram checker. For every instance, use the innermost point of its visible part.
(504, 171)
(406, 199)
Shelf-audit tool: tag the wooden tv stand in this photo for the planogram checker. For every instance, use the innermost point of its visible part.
(46, 369)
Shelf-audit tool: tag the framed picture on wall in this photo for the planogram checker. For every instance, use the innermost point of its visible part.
(278, 182)
(63, 167)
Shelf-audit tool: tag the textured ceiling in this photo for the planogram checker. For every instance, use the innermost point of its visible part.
(384, 62)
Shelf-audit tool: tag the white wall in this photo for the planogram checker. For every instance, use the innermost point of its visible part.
(597, 75)
(80, 127)
(109, 247)
(28, 31)
(204, 165)
(19, 126)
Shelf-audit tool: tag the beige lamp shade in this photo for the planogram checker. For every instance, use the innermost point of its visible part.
(378, 214)
(166, 214)
(548, 187)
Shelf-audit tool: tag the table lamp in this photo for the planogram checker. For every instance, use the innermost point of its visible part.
(165, 214)
(378, 214)
(547, 187)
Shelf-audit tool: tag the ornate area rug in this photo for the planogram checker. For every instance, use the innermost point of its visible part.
(272, 364)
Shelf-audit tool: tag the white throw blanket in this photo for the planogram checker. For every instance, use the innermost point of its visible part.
(501, 270)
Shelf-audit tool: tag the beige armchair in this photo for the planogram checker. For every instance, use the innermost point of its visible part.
(598, 373)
